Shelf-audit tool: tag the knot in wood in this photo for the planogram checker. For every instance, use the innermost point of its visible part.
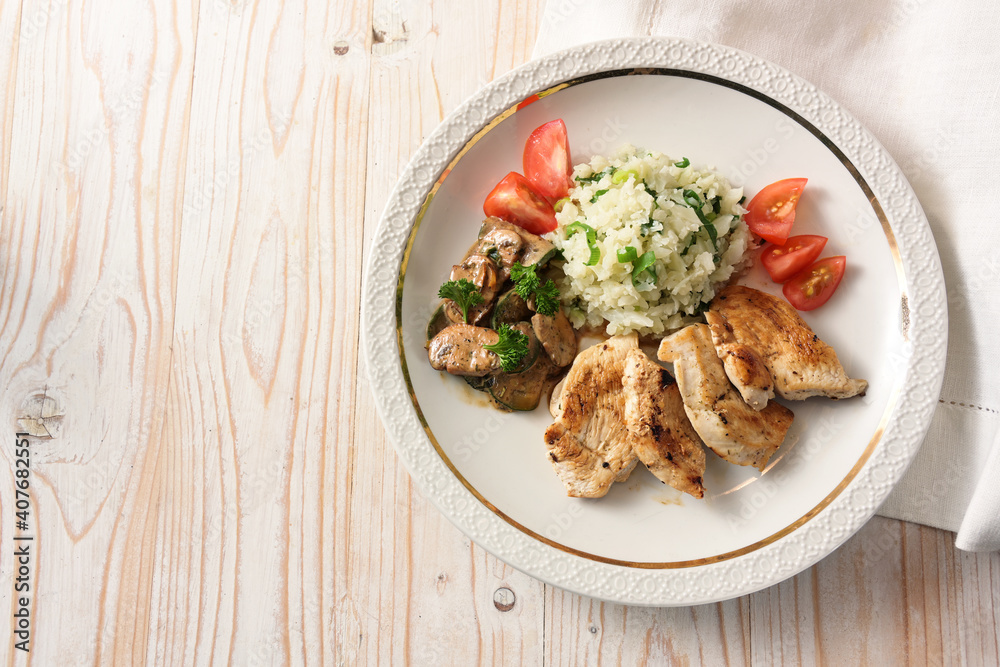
(503, 599)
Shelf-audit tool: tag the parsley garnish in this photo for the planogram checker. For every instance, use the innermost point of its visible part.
(527, 283)
(464, 293)
(511, 347)
(547, 298)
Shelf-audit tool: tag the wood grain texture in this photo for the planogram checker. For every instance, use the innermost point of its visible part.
(189, 192)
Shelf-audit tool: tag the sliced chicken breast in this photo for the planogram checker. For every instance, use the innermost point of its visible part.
(801, 364)
(589, 444)
(662, 436)
(728, 426)
(745, 368)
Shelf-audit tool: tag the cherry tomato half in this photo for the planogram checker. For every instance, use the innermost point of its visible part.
(771, 213)
(814, 285)
(783, 262)
(514, 200)
(546, 160)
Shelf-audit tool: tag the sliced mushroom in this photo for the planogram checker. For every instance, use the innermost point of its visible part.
(458, 349)
(506, 245)
(557, 337)
(481, 271)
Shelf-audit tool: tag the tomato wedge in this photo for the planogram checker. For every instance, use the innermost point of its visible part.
(783, 262)
(546, 160)
(514, 200)
(771, 213)
(814, 285)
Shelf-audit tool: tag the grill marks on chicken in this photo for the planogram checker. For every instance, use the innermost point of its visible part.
(662, 435)
(728, 426)
(589, 443)
(742, 364)
(800, 363)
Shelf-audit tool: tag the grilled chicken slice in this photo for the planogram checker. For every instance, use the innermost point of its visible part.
(662, 435)
(730, 428)
(483, 272)
(801, 364)
(458, 349)
(557, 337)
(743, 365)
(588, 444)
(555, 401)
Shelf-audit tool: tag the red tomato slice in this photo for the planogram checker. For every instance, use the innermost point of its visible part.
(771, 213)
(783, 262)
(814, 285)
(546, 160)
(514, 200)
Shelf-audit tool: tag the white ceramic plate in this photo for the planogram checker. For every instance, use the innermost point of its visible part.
(645, 543)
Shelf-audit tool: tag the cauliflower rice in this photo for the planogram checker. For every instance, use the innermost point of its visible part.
(637, 199)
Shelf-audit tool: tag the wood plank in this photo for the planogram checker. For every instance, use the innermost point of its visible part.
(427, 60)
(269, 266)
(94, 145)
(10, 37)
(584, 631)
(896, 593)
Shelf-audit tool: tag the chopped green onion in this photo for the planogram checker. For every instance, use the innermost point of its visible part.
(716, 205)
(692, 199)
(622, 176)
(593, 200)
(574, 227)
(682, 164)
(642, 265)
(627, 254)
(558, 206)
(651, 192)
(691, 242)
(593, 178)
(595, 252)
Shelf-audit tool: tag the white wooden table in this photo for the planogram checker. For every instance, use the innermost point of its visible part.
(189, 190)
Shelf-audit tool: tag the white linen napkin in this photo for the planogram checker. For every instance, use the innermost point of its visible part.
(924, 78)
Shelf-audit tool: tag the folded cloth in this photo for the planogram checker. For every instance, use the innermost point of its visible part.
(924, 78)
